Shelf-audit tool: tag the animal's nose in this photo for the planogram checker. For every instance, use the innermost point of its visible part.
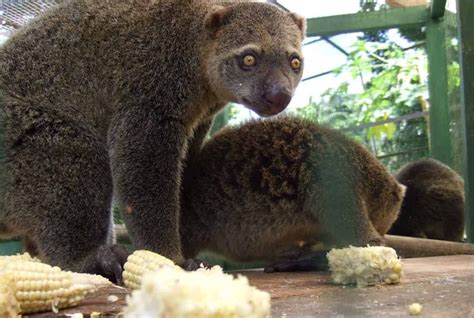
(278, 98)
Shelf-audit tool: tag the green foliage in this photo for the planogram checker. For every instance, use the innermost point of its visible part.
(223, 118)
(454, 77)
(324, 113)
(393, 84)
(117, 215)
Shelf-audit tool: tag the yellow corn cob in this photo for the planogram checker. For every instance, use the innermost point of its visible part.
(364, 265)
(40, 287)
(141, 262)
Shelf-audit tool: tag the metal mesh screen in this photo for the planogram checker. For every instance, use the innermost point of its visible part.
(15, 13)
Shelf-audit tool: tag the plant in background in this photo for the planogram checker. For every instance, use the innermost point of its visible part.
(394, 84)
(333, 112)
(223, 118)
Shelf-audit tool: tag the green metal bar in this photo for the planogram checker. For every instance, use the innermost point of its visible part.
(437, 8)
(465, 9)
(337, 47)
(368, 21)
(10, 247)
(440, 137)
(317, 75)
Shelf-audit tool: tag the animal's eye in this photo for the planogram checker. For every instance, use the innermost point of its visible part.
(295, 63)
(249, 61)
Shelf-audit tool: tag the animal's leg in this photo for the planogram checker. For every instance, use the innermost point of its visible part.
(146, 156)
(59, 190)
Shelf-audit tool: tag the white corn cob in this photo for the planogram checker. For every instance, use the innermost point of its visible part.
(9, 307)
(172, 292)
(40, 287)
(19, 257)
(141, 262)
(364, 265)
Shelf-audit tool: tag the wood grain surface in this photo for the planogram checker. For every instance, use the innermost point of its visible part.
(443, 285)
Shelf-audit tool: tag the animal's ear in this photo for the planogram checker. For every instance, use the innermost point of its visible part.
(300, 22)
(216, 19)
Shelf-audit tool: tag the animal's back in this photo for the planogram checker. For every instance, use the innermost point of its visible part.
(243, 178)
(85, 57)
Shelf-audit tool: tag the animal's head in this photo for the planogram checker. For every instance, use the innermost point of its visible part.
(256, 56)
(390, 207)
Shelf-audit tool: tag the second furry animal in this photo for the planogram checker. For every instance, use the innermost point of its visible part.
(269, 190)
(433, 206)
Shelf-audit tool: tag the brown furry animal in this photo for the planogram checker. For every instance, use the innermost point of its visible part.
(103, 95)
(269, 190)
(433, 206)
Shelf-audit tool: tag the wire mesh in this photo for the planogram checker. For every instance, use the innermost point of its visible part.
(16, 13)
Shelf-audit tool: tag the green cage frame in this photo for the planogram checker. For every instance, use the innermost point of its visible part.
(435, 18)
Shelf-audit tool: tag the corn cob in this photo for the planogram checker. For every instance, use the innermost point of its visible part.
(172, 292)
(364, 265)
(141, 262)
(19, 257)
(40, 287)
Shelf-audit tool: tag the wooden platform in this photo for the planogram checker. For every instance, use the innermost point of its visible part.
(443, 285)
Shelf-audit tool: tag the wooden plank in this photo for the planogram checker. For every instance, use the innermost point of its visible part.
(437, 8)
(465, 9)
(440, 136)
(443, 285)
(419, 247)
(368, 21)
(97, 302)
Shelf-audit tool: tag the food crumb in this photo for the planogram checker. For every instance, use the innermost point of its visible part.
(415, 309)
(112, 298)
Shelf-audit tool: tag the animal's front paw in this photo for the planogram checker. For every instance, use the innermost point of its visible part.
(193, 264)
(107, 261)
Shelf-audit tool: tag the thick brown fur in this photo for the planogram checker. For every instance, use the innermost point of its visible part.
(103, 95)
(269, 188)
(433, 206)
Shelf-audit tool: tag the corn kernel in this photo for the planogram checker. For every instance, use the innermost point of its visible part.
(415, 309)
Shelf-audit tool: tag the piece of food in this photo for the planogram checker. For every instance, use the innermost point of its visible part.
(36, 287)
(364, 265)
(415, 309)
(173, 292)
(19, 257)
(141, 262)
(9, 307)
